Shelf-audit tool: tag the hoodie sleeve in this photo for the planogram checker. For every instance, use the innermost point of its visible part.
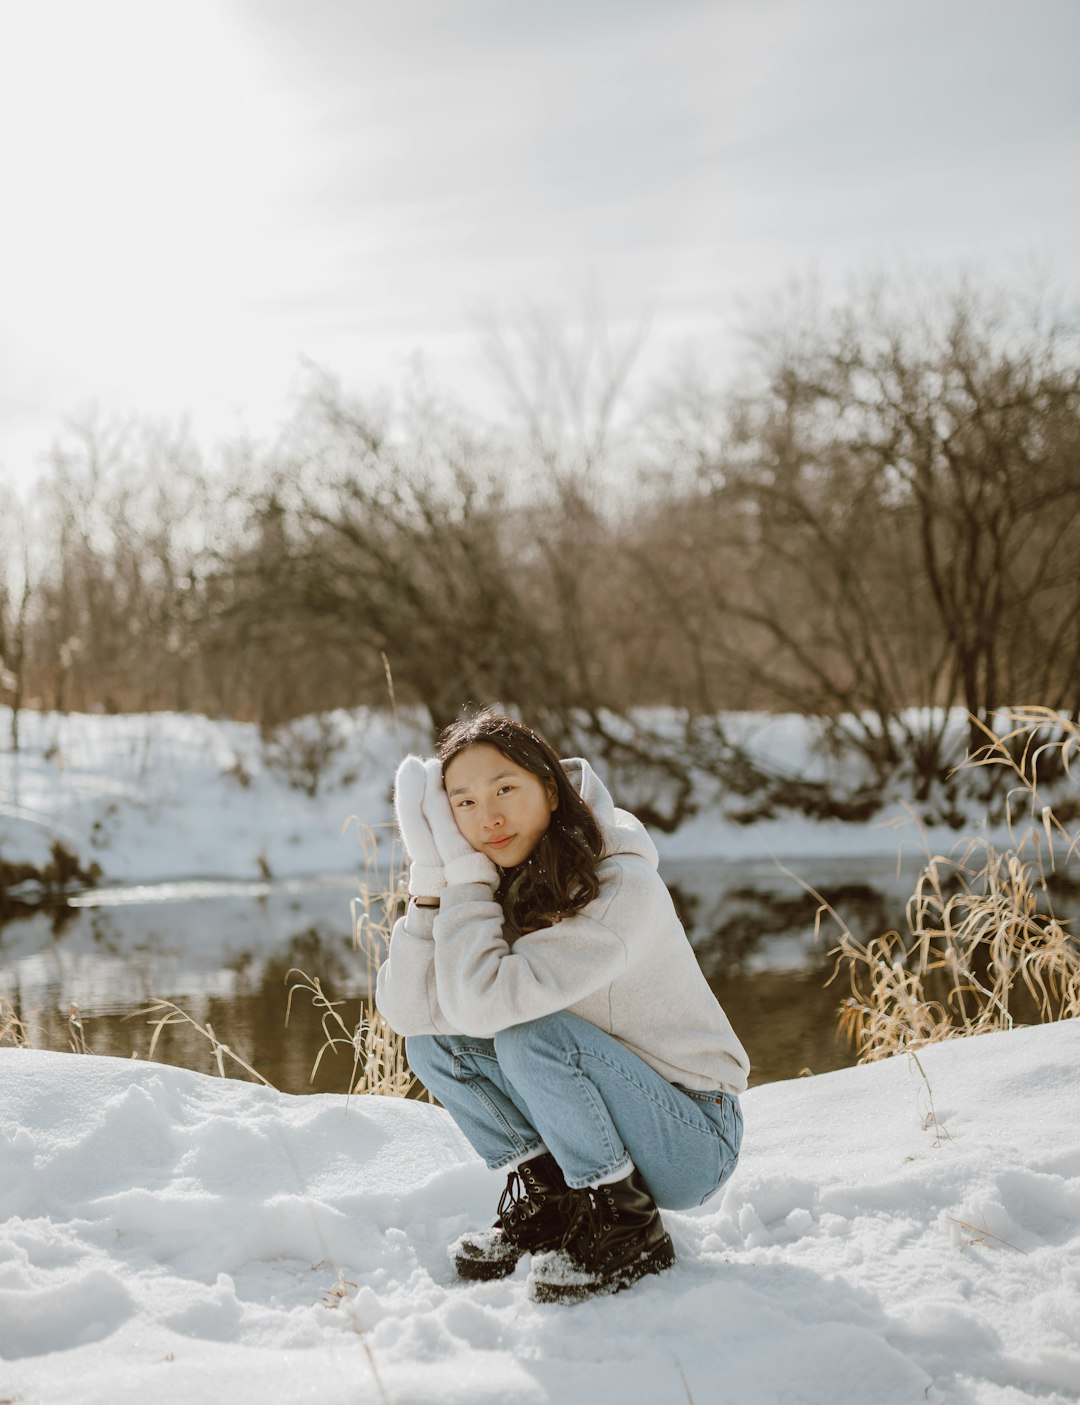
(405, 991)
(486, 985)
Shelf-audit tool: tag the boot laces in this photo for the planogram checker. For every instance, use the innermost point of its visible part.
(514, 1193)
(585, 1220)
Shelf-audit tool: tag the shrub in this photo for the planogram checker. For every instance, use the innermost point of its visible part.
(304, 750)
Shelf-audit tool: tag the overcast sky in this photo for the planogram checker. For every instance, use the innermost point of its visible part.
(198, 195)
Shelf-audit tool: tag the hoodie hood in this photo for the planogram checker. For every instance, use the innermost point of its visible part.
(623, 832)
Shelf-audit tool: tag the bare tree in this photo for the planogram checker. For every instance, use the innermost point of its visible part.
(119, 522)
(16, 595)
(564, 379)
(888, 522)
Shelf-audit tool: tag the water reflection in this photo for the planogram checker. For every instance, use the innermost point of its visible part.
(223, 953)
(223, 959)
(767, 956)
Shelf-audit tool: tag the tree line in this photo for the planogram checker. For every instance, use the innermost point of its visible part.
(875, 520)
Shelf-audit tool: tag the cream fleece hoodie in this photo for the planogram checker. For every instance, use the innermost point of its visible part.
(623, 963)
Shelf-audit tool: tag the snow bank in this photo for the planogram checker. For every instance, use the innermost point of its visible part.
(169, 1236)
(166, 796)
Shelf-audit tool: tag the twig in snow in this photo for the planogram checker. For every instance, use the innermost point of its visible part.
(982, 1234)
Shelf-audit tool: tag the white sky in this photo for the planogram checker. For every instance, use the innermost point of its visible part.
(197, 196)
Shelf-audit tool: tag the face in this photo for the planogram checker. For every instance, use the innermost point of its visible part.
(501, 809)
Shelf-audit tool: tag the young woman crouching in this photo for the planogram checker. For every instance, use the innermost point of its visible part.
(551, 1001)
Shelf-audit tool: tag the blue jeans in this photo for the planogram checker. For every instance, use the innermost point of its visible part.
(562, 1083)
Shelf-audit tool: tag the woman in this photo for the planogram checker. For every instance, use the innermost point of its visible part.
(552, 1003)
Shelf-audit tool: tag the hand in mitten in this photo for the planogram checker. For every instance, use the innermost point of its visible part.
(426, 875)
(461, 862)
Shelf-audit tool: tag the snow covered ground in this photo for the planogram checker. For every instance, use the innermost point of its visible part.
(169, 1236)
(168, 796)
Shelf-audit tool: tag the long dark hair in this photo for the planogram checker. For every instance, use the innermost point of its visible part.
(559, 877)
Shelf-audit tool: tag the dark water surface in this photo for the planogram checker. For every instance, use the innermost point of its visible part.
(222, 951)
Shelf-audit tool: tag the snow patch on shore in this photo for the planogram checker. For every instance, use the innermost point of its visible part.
(169, 796)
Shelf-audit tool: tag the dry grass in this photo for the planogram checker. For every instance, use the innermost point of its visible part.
(382, 1067)
(379, 1066)
(981, 1235)
(164, 1013)
(984, 949)
(378, 1054)
(12, 1029)
(76, 1032)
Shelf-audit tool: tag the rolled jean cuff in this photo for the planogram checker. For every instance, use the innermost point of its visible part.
(616, 1172)
(519, 1156)
(514, 1159)
(607, 1178)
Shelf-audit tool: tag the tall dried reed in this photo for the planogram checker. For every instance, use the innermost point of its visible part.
(379, 1065)
(984, 949)
(13, 1030)
(164, 1013)
(383, 1067)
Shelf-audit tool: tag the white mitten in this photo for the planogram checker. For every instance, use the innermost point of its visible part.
(426, 874)
(461, 862)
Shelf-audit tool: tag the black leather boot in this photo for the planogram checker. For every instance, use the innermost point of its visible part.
(615, 1236)
(532, 1217)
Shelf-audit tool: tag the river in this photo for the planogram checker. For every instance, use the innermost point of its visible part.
(221, 952)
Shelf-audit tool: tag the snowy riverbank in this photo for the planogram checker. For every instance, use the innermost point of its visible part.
(169, 1236)
(167, 796)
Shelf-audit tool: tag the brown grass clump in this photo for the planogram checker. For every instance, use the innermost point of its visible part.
(378, 1062)
(13, 1031)
(382, 1066)
(984, 949)
(378, 1053)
